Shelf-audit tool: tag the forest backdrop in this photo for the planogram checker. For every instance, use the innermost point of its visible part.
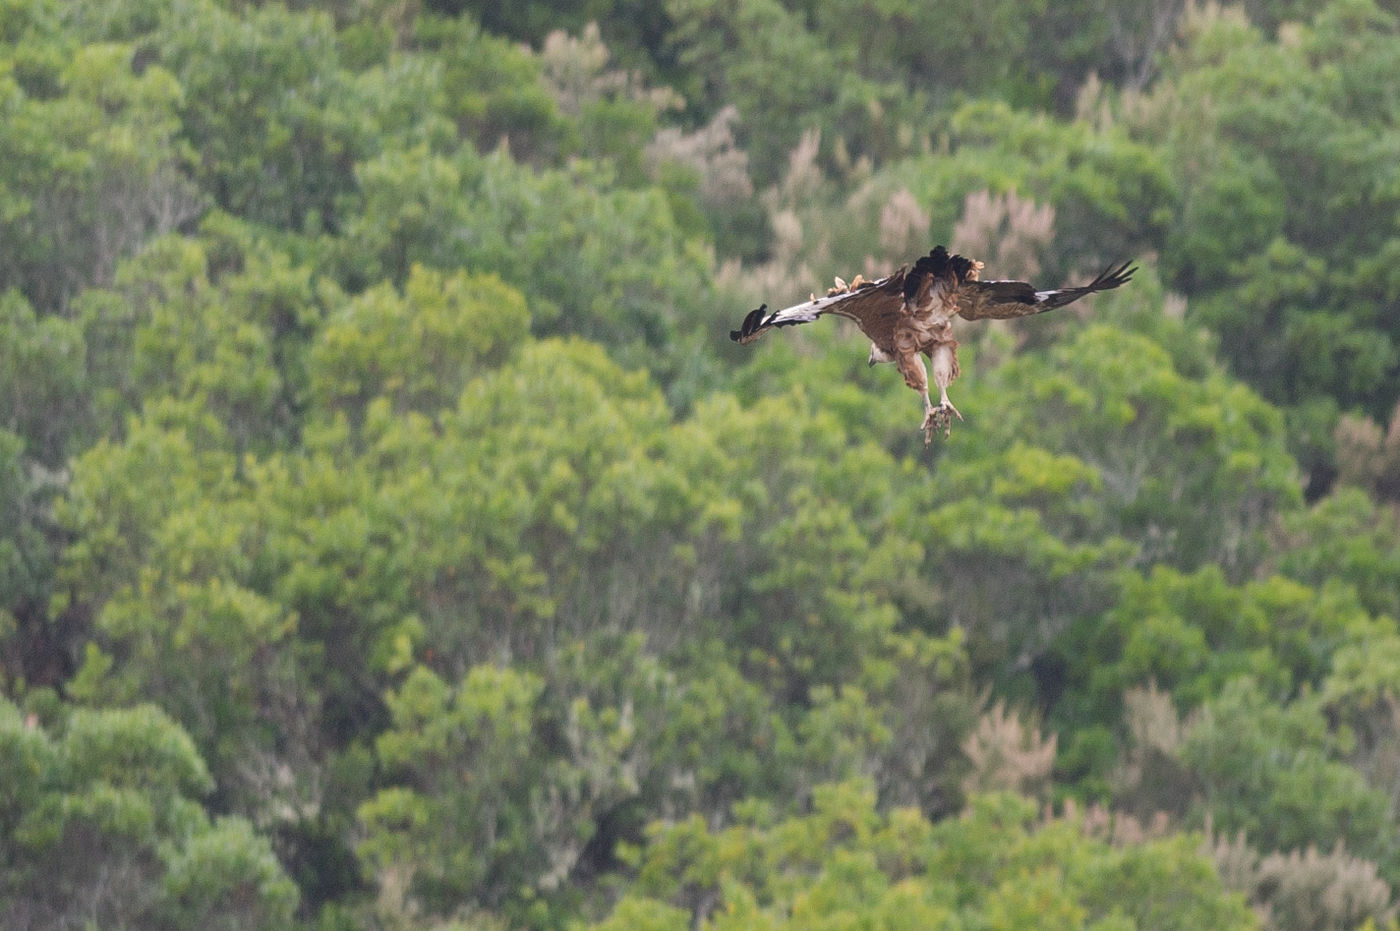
(391, 538)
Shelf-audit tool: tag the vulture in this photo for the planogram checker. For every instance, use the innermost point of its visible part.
(911, 312)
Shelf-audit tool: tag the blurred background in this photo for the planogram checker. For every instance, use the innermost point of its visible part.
(391, 537)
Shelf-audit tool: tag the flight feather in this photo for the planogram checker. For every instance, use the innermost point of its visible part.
(909, 314)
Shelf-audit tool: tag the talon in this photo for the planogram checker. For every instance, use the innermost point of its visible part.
(940, 418)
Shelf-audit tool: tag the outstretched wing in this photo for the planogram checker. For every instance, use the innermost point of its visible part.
(874, 306)
(1000, 299)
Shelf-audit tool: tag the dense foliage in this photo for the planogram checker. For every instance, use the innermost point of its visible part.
(391, 539)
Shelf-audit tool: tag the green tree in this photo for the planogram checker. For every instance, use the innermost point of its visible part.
(43, 391)
(462, 828)
(32, 651)
(1284, 213)
(1274, 773)
(102, 823)
(165, 576)
(270, 109)
(1345, 538)
(94, 164)
(844, 862)
(597, 260)
(1192, 633)
(417, 350)
(1161, 440)
(218, 321)
(43, 382)
(489, 89)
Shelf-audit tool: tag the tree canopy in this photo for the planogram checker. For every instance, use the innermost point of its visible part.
(390, 537)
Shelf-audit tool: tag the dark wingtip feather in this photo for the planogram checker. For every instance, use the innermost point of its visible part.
(751, 323)
(1112, 277)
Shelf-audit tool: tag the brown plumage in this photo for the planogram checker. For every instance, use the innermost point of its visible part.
(911, 312)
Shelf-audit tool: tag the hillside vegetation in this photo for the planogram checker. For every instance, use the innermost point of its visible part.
(392, 539)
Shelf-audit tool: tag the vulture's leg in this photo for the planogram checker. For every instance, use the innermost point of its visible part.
(916, 377)
(944, 357)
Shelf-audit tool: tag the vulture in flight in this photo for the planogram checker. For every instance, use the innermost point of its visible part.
(911, 312)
